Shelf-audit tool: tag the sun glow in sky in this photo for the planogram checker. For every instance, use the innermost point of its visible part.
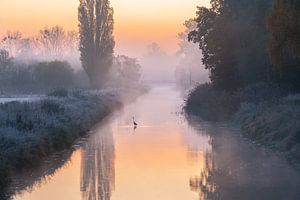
(137, 22)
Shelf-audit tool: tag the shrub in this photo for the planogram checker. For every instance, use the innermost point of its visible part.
(59, 92)
(210, 104)
(215, 105)
(51, 107)
(35, 77)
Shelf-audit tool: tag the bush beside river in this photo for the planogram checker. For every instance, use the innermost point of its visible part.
(267, 113)
(30, 131)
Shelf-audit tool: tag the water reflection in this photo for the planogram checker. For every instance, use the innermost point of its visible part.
(30, 180)
(98, 166)
(235, 169)
(167, 158)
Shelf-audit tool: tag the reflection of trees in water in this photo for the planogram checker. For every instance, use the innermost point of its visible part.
(213, 182)
(203, 183)
(97, 168)
(32, 179)
(234, 169)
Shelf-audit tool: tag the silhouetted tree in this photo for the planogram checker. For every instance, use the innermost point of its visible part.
(96, 38)
(215, 44)
(232, 36)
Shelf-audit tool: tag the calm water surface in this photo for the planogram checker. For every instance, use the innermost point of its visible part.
(165, 158)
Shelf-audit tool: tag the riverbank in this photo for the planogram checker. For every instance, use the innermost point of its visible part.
(30, 131)
(266, 113)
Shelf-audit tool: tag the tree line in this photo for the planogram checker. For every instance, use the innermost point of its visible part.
(245, 42)
(48, 59)
(50, 43)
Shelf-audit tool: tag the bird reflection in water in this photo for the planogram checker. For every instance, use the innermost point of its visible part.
(98, 167)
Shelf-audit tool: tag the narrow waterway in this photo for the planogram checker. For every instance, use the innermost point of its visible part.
(164, 158)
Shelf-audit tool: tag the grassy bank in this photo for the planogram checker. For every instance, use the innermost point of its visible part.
(29, 131)
(267, 113)
(273, 123)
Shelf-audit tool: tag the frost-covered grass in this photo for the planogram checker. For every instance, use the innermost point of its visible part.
(276, 124)
(29, 131)
(20, 98)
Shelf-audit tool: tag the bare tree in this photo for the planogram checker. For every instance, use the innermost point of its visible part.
(27, 48)
(71, 42)
(11, 41)
(96, 38)
(52, 40)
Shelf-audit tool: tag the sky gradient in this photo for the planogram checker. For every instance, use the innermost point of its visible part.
(137, 22)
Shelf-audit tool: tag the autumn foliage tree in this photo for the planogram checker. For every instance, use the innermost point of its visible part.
(284, 44)
(96, 39)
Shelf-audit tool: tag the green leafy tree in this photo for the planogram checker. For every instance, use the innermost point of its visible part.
(96, 39)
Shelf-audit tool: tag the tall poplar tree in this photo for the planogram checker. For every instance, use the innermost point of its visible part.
(96, 39)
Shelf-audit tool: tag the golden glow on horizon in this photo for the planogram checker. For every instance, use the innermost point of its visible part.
(137, 22)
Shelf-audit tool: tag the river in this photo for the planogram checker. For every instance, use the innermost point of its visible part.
(165, 158)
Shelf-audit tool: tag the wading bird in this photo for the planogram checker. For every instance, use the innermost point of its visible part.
(134, 123)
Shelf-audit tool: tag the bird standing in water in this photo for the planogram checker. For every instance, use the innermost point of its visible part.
(134, 123)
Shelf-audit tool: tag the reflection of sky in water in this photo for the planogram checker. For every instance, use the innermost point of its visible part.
(166, 158)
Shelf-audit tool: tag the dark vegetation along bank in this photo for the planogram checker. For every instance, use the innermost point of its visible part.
(252, 52)
(29, 131)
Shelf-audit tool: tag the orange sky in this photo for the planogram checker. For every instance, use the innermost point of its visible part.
(137, 22)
